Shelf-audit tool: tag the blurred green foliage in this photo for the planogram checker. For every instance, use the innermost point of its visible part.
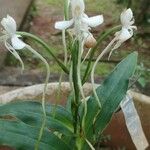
(144, 75)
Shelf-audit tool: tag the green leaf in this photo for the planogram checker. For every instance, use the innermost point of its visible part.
(31, 113)
(21, 136)
(111, 92)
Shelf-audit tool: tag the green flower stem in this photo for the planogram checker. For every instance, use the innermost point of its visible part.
(90, 145)
(81, 45)
(105, 51)
(86, 56)
(47, 48)
(66, 17)
(93, 50)
(61, 74)
(75, 103)
(65, 56)
(66, 9)
(70, 78)
(43, 96)
(65, 47)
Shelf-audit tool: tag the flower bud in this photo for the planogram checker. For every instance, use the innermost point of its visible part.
(90, 41)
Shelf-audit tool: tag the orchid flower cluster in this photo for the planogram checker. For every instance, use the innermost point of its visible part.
(78, 31)
(82, 24)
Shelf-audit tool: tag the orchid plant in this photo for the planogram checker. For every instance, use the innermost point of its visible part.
(80, 124)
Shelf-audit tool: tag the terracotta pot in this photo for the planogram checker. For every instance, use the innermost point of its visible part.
(117, 129)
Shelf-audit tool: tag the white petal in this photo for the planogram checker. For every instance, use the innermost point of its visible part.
(127, 17)
(17, 43)
(120, 38)
(62, 25)
(9, 25)
(124, 35)
(133, 27)
(77, 7)
(93, 21)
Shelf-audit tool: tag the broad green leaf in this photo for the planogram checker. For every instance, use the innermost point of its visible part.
(31, 113)
(111, 93)
(23, 137)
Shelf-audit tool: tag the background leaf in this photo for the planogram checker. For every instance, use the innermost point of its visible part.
(58, 119)
(23, 137)
(30, 114)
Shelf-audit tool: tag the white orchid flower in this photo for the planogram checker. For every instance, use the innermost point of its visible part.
(10, 38)
(81, 22)
(10, 27)
(127, 21)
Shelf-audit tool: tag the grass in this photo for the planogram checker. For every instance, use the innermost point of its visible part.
(95, 6)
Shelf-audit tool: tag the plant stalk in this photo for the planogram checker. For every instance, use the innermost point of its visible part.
(47, 48)
(75, 103)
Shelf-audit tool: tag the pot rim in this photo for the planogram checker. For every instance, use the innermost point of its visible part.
(33, 91)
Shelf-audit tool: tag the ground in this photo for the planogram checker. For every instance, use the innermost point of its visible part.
(40, 21)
